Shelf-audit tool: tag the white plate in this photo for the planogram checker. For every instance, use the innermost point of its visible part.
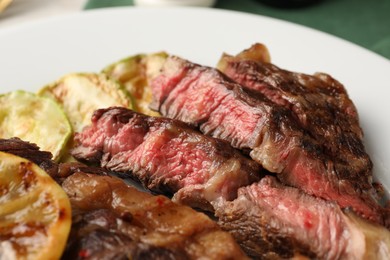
(35, 54)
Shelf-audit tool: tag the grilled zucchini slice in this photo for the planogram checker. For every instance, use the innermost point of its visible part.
(80, 94)
(34, 119)
(35, 212)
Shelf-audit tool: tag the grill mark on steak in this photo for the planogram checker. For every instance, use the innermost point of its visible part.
(166, 155)
(112, 220)
(274, 136)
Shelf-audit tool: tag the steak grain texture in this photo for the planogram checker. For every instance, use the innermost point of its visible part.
(166, 156)
(323, 157)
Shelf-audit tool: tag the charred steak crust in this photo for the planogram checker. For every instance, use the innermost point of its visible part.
(257, 238)
(166, 155)
(301, 156)
(97, 234)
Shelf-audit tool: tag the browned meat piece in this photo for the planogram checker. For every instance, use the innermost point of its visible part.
(98, 234)
(112, 220)
(271, 132)
(272, 221)
(118, 220)
(166, 156)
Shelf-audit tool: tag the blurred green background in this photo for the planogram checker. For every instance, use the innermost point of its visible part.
(364, 22)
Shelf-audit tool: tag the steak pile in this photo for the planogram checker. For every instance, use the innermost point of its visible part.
(268, 219)
(302, 128)
(111, 220)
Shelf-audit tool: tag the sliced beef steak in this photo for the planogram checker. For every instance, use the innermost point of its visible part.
(166, 156)
(272, 221)
(273, 134)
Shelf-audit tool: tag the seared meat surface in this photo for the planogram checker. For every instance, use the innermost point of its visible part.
(166, 156)
(98, 234)
(328, 163)
(112, 220)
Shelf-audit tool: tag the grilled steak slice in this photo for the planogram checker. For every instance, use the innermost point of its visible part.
(272, 134)
(166, 156)
(272, 221)
(112, 220)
